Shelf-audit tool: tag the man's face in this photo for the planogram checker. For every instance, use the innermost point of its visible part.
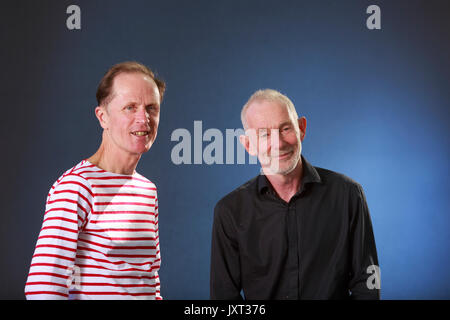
(131, 118)
(275, 136)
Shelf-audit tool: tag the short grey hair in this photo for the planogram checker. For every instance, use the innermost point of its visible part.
(268, 95)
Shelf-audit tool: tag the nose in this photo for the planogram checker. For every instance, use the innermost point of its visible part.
(277, 141)
(142, 116)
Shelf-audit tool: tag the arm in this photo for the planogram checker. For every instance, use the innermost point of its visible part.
(225, 263)
(68, 205)
(364, 278)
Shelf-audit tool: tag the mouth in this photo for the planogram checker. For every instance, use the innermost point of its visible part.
(285, 155)
(140, 133)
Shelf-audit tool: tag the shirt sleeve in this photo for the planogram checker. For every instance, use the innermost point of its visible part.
(67, 210)
(225, 282)
(365, 272)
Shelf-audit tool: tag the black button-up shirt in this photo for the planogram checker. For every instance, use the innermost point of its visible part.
(320, 245)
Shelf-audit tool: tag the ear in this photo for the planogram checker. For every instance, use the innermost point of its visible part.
(102, 115)
(302, 127)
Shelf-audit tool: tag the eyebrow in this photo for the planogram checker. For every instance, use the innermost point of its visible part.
(279, 126)
(128, 104)
(134, 103)
(285, 124)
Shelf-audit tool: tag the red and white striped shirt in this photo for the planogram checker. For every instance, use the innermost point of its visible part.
(99, 238)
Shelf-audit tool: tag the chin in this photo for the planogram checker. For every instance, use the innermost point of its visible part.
(287, 167)
(143, 148)
(138, 151)
(286, 171)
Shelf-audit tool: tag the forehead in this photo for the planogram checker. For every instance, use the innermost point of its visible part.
(135, 86)
(267, 114)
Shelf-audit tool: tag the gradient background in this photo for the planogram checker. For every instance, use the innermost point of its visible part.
(377, 104)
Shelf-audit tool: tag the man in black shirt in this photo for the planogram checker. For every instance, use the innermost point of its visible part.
(295, 231)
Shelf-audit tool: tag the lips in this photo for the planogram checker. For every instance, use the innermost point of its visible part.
(284, 155)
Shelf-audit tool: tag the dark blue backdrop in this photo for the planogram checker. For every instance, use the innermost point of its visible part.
(377, 104)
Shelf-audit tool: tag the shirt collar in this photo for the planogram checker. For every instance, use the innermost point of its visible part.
(310, 175)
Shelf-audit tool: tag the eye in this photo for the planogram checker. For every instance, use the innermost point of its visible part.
(263, 133)
(129, 108)
(152, 108)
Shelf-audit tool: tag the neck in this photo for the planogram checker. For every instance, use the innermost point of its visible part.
(114, 160)
(286, 186)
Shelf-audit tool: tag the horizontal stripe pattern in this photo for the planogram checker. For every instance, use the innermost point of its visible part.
(99, 238)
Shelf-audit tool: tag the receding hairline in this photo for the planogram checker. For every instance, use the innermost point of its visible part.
(268, 95)
(105, 86)
(112, 95)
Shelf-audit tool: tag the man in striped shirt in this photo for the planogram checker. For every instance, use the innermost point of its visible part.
(99, 238)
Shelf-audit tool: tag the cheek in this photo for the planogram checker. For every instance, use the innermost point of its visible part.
(154, 124)
(121, 126)
(293, 139)
(264, 147)
(155, 120)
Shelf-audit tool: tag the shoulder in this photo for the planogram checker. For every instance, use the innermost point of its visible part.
(229, 210)
(137, 177)
(73, 179)
(333, 177)
(340, 181)
(237, 196)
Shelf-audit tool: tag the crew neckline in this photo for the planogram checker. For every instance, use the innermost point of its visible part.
(103, 170)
